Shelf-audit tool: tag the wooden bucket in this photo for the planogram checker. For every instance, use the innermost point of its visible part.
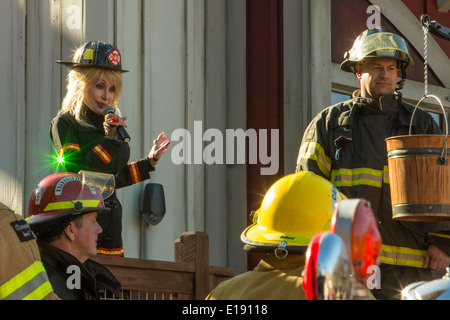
(419, 175)
(419, 178)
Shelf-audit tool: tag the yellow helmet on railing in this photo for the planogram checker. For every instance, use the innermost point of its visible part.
(295, 208)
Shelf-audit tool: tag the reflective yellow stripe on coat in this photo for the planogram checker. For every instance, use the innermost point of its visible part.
(360, 176)
(30, 284)
(402, 256)
(314, 151)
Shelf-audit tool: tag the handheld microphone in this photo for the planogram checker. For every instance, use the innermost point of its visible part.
(120, 129)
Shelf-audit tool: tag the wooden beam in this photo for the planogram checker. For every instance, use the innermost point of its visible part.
(443, 5)
(193, 247)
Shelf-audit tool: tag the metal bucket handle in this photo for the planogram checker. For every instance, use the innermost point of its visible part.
(444, 147)
(426, 26)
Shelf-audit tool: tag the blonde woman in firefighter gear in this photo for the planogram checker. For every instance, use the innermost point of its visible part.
(62, 212)
(22, 274)
(345, 143)
(89, 137)
(294, 209)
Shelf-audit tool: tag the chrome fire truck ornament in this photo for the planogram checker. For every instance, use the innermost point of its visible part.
(337, 262)
(438, 289)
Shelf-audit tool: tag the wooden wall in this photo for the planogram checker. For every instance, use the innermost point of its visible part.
(178, 53)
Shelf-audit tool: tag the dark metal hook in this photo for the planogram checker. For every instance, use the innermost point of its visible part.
(436, 28)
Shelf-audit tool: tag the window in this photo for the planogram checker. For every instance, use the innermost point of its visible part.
(337, 97)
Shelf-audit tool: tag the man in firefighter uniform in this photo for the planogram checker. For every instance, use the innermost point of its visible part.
(345, 144)
(22, 274)
(294, 209)
(63, 214)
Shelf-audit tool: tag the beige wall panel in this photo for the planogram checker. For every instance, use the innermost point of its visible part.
(163, 100)
(129, 33)
(12, 93)
(236, 118)
(297, 77)
(44, 79)
(216, 222)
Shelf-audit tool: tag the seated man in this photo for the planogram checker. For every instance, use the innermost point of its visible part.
(63, 215)
(294, 209)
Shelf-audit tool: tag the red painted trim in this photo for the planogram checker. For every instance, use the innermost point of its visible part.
(265, 88)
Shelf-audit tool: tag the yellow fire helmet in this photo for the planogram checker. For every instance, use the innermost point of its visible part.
(294, 209)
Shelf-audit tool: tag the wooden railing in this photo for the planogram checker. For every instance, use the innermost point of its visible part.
(190, 277)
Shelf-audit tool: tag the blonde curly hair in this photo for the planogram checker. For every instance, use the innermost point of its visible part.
(79, 79)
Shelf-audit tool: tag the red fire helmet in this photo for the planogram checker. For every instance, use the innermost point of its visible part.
(61, 195)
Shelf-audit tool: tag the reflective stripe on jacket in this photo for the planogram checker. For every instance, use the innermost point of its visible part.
(22, 274)
(345, 143)
(30, 284)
